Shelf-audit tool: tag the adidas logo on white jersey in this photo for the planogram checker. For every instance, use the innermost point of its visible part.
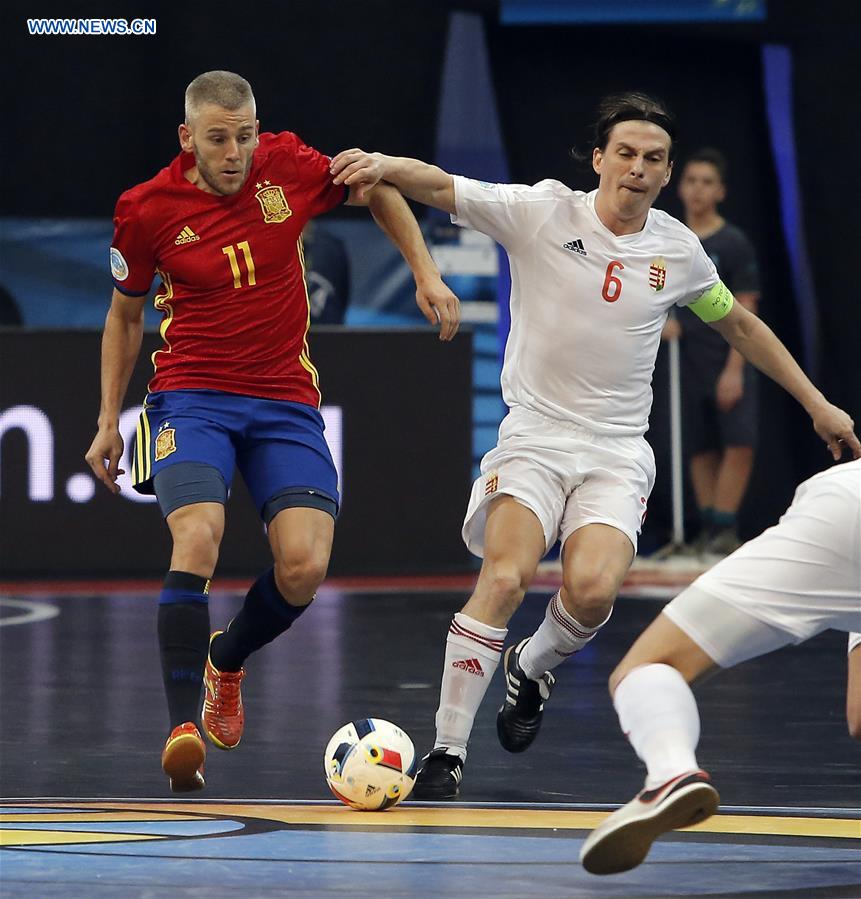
(186, 236)
(575, 246)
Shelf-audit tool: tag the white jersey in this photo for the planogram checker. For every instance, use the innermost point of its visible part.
(587, 307)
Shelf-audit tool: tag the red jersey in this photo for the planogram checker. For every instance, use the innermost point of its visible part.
(233, 294)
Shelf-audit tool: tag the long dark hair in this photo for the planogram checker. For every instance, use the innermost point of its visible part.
(627, 107)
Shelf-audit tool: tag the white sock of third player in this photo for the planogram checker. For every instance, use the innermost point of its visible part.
(658, 713)
(560, 635)
(472, 653)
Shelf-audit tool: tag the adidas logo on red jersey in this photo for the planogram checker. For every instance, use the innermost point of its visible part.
(186, 236)
(473, 666)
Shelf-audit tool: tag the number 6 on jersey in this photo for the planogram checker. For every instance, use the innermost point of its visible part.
(612, 289)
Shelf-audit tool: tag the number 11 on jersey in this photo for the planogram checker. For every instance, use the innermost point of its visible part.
(230, 253)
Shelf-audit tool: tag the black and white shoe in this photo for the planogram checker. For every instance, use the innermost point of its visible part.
(519, 718)
(625, 838)
(439, 777)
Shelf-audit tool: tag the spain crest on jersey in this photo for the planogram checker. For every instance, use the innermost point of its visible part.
(658, 274)
(273, 203)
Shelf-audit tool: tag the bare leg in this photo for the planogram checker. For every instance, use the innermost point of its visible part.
(595, 560)
(664, 643)
(301, 542)
(732, 478)
(513, 545)
(704, 474)
(196, 531)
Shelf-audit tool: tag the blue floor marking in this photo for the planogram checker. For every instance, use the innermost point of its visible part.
(162, 828)
(425, 864)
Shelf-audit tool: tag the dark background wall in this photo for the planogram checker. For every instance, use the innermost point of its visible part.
(87, 117)
(98, 114)
(405, 461)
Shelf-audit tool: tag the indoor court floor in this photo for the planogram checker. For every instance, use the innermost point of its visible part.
(86, 811)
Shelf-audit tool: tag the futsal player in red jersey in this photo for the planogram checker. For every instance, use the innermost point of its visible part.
(234, 385)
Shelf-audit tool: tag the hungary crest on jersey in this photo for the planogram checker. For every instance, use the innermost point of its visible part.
(658, 274)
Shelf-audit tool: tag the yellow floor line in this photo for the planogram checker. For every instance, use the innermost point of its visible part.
(53, 837)
(497, 818)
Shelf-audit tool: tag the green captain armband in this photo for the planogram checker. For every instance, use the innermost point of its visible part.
(714, 304)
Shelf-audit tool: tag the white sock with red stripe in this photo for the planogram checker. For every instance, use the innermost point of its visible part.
(658, 714)
(560, 635)
(472, 653)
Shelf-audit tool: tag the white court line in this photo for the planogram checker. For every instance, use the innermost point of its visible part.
(32, 611)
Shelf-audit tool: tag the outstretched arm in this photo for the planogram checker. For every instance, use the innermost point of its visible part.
(391, 212)
(415, 179)
(761, 347)
(121, 343)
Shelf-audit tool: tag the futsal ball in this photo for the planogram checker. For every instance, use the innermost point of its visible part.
(370, 764)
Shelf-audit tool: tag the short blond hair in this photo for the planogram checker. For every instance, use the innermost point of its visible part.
(225, 89)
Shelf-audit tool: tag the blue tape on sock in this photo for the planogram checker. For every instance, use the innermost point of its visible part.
(170, 596)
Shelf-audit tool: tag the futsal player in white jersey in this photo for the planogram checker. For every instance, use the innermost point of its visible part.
(795, 580)
(593, 276)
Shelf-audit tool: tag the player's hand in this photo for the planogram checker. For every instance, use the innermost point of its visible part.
(358, 169)
(672, 330)
(104, 456)
(836, 428)
(439, 306)
(729, 389)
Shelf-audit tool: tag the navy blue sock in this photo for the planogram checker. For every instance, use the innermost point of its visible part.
(707, 521)
(724, 520)
(183, 640)
(264, 615)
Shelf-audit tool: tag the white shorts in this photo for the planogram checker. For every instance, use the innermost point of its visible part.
(728, 634)
(566, 474)
(798, 578)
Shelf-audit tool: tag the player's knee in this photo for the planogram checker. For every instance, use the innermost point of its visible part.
(196, 536)
(589, 597)
(504, 586)
(855, 727)
(299, 577)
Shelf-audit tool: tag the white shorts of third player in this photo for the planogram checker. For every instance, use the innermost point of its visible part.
(798, 578)
(566, 474)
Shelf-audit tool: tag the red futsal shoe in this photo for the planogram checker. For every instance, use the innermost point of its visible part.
(182, 758)
(223, 717)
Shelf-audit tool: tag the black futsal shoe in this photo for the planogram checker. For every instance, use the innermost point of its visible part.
(439, 777)
(519, 719)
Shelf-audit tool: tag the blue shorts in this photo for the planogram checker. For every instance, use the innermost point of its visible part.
(275, 444)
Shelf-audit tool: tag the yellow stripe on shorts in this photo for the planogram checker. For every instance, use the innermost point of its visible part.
(147, 453)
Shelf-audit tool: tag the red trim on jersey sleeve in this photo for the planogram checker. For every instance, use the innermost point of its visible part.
(132, 261)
